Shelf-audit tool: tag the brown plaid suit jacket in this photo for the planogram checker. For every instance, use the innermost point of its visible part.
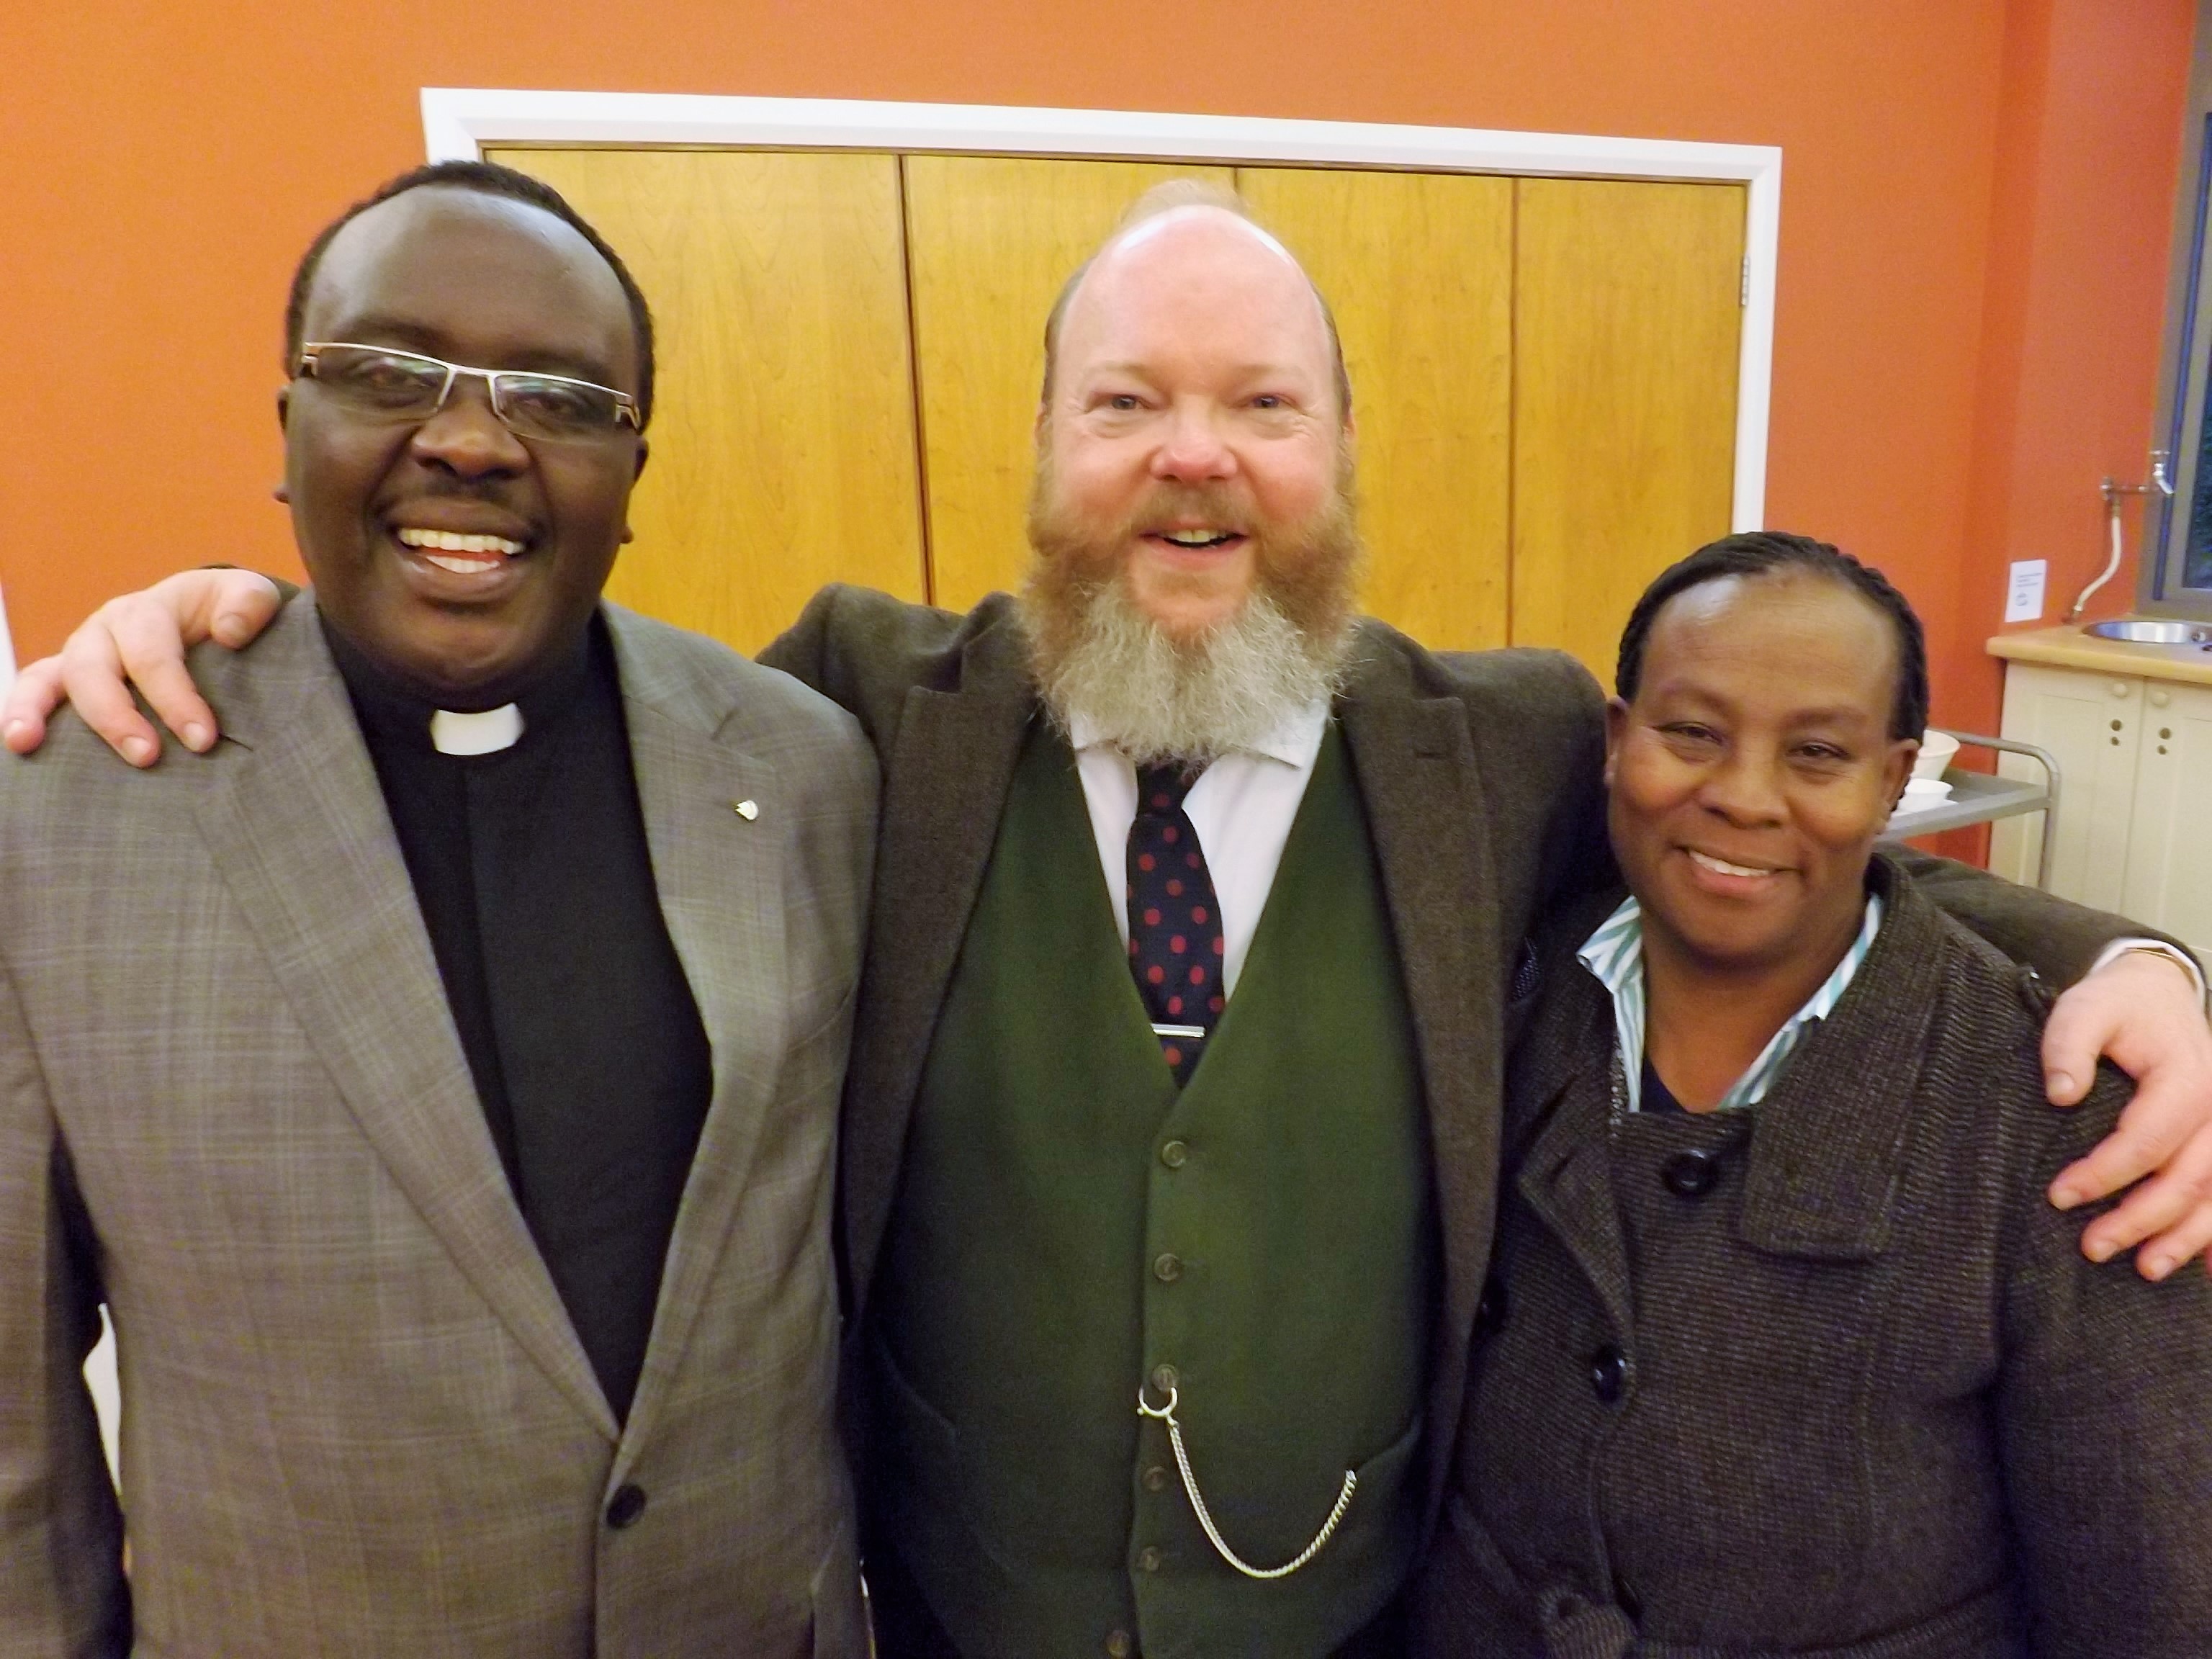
(233, 1105)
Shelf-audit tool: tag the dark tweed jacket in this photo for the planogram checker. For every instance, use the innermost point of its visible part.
(1827, 1376)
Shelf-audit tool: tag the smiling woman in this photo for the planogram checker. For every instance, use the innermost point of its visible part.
(1765, 731)
(1784, 1351)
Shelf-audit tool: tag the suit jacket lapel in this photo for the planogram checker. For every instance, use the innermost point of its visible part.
(298, 828)
(1424, 808)
(946, 779)
(721, 885)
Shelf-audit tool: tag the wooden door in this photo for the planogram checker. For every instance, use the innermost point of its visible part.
(992, 240)
(1419, 270)
(1627, 313)
(783, 453)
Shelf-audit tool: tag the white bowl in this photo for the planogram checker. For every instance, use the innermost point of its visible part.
(1937, 750)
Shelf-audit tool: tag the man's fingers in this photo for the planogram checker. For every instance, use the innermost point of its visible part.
(2148, 1135)
(2080, 1026)
(2173, 1213)
(92, 675)
(244, 604)
(151, 650)
(35, 694)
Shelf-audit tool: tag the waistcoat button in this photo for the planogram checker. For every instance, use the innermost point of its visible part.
(1608, 1372)
(1168, 1268)
(1691, 1174)
(1174, 1154)
(1156, 1479)
(1148, 1559)
(625, 1506)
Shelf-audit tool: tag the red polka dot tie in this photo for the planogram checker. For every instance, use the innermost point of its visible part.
(1175, 922)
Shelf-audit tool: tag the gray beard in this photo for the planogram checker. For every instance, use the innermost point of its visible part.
(1157, 701)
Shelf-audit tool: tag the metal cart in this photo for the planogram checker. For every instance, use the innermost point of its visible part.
(1983, 798)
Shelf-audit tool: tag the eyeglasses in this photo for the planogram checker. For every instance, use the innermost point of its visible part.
(379, 383)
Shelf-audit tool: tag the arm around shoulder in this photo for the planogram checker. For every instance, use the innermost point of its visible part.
(2060, 939)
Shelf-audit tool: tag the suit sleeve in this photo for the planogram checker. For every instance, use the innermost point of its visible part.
(2104, 1411)
(2058, 937)
(62, 1590)
(802, 650)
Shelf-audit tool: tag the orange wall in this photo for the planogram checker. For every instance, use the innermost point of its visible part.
(1941, 393)
(2089, 147)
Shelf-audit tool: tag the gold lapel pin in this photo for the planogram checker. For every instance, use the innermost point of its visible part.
(747, 810)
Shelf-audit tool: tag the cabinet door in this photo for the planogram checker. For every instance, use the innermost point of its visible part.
(783, 451)
(2169, 880)
(2091, 724)
(1627, 316)
(1418, 269)
(992, 238)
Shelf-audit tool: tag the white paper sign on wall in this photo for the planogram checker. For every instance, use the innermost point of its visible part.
(2024, 593)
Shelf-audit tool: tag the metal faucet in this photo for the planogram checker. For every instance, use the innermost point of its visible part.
(2160, 484)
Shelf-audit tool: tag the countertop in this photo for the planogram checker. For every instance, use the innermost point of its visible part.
(2069, 648)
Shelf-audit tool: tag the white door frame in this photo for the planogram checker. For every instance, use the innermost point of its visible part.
(458, 121)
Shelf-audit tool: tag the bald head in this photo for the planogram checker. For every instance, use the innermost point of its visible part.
(1191, 248)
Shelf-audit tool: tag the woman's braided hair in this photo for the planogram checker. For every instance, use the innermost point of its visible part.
(1763, 552)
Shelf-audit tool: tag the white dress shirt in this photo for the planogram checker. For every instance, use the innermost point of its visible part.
(1242, 807)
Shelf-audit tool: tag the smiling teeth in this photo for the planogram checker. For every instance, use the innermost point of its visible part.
(447, 541)
(1721, 866)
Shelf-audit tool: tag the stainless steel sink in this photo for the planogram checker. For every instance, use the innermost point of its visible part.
(2138, 632)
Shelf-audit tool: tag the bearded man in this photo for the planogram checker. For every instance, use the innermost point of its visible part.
(1171, 1128)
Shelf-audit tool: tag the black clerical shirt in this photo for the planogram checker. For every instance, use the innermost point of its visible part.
(535, 882)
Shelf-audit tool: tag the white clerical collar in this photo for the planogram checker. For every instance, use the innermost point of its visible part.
(1295, 740)
(485, 733)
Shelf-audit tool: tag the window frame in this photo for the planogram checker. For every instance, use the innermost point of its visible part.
(2185, 356)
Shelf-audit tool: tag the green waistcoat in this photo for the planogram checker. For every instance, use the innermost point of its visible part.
(1067, 1223)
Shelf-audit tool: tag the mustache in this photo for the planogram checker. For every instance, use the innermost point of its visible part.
(1215, 504)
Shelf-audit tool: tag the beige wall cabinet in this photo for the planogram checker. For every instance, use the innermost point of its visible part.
(2136, 760)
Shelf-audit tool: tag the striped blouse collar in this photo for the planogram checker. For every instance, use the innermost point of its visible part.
(1614, 955)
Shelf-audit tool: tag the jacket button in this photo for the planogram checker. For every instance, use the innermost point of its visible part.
(1168, 1268)
(1691, 1174)
(1148, 1559)
(624, 1507)
(1174, 1154)
(1118, 1644)
(1608, 1373)
(1156, 1479)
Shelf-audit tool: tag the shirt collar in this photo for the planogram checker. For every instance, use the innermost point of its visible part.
(1615, 956)
(1294, 741)
(391, 712)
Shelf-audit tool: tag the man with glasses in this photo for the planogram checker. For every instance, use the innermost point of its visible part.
(437, 1079)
